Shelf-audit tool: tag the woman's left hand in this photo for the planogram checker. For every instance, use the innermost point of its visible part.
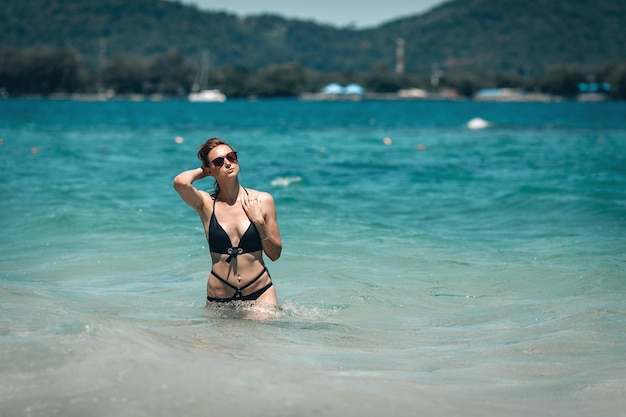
(252, 207)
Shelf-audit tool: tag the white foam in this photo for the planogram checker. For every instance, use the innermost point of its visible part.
(285, 181)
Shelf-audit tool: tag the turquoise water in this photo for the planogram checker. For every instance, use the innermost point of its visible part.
(453, 272)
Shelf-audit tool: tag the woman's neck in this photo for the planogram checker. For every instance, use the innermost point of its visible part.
(229, 192)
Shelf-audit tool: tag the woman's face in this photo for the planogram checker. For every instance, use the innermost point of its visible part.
(223, 162)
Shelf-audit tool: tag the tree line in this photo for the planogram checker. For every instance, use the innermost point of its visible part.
(459, 34)
(45, 72)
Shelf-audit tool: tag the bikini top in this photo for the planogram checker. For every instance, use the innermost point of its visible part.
(219, 241)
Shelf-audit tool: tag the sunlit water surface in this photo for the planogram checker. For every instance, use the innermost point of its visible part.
(449, 272)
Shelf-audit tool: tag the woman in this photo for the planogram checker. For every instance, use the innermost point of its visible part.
(239, 223)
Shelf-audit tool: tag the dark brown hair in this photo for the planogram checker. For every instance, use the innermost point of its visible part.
(203, 155)
(207, 147)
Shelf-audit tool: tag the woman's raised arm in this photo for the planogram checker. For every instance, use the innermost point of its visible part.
(183, 183)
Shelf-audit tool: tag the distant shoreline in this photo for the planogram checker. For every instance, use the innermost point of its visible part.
(515, 98)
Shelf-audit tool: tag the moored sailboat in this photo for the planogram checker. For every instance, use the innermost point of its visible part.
(199, 90)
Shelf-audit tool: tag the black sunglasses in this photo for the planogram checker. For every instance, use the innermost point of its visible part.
(219, 161)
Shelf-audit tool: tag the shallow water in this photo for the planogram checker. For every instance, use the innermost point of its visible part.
(453, 272)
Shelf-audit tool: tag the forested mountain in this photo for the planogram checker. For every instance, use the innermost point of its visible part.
(505, 35)
(514, 34)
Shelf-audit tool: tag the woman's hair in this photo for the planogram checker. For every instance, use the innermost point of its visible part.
(203, 155)
(207, 147)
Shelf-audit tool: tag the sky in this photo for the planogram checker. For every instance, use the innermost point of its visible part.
(340, 13)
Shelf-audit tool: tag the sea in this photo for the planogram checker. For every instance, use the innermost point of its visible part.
(440, 258)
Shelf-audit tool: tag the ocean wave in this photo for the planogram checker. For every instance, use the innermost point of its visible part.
(285, 181)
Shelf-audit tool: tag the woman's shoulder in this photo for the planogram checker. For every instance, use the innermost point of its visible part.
(260, 195)
(206, 195)
(208, 199)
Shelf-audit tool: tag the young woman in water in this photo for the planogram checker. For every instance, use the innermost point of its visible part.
(239, 223)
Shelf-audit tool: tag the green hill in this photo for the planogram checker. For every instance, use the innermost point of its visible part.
(517, 34)
(503, 35)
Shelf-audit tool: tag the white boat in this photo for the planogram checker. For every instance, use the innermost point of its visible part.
(207, 95)
(200, 92)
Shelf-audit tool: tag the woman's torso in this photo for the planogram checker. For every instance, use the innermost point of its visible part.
(227, 227)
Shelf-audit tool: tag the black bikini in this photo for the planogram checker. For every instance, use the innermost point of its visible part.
(219, 242)
(238, 296)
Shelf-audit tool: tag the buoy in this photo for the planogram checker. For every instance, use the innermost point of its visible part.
(477, 123)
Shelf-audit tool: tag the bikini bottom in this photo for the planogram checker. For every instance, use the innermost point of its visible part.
(238, 296)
